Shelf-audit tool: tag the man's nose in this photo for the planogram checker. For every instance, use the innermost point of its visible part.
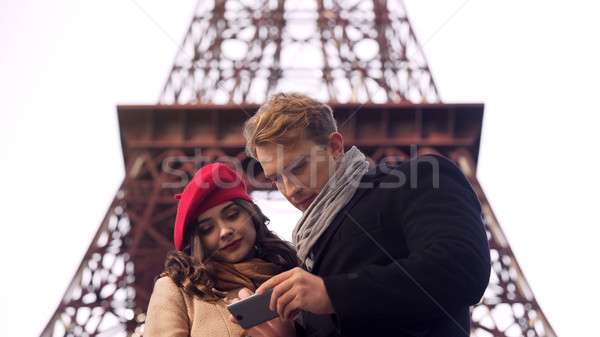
(292, 186)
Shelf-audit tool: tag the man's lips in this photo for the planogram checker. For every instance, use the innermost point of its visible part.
(306, 202)
(232, 244)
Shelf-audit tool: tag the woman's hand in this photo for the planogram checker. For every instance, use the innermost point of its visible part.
(276, 327)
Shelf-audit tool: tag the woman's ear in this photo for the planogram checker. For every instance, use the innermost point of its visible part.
(336, 142)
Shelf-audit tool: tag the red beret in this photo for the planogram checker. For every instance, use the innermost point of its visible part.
(213, 184)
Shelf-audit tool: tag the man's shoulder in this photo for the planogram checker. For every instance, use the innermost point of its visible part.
(424, 172)
(426, 162)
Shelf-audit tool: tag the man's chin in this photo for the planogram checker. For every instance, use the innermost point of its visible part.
(303, 206)
(299, 208)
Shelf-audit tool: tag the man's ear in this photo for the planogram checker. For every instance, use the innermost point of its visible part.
(336, 142)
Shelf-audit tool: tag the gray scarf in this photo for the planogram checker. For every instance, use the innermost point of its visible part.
(337, 192)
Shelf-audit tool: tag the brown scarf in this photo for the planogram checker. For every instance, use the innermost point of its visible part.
(250, 274)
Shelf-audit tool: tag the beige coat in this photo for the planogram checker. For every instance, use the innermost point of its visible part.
(175, 313)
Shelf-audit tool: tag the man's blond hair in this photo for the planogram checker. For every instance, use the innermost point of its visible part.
(282, 115)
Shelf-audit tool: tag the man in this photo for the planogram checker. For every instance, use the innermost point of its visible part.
(386, 252)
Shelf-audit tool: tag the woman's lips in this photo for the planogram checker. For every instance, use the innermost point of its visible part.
(232, 245)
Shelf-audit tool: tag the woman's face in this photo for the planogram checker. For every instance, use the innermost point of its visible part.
(227, 233)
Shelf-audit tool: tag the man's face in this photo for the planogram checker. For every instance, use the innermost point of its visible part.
(300, 172)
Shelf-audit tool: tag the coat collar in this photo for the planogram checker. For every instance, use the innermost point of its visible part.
(370, 181)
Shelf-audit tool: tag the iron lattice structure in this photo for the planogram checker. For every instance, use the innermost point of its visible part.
(239, 51)
(234, 55)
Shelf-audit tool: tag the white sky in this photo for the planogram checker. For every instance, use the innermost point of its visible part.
(66, 64)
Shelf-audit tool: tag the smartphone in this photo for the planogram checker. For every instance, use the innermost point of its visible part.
(253, 310)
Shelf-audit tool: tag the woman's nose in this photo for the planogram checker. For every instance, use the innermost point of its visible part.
(226, 232)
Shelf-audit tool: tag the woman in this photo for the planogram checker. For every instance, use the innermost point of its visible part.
(223, 245)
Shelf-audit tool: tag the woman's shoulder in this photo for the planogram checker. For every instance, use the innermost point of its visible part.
(165, 283)
(165, 288)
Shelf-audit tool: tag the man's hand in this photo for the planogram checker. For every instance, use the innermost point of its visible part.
(296, 290)
(273, 328)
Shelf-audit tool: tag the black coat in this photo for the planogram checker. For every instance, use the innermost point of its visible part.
(407, 256)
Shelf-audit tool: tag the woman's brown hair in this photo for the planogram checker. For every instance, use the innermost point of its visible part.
(193, 271)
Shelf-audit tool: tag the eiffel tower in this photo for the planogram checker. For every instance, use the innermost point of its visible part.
(362, 57)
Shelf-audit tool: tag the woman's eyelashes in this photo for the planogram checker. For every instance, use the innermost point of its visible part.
(231, 216)
(206, 229)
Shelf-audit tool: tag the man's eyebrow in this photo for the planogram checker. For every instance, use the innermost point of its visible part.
(297, 161)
